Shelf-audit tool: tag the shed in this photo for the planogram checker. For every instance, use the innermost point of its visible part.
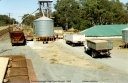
(58, 30)
(72, 30)
(104, 30)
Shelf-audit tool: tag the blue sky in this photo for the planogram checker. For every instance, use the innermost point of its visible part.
(18, 8)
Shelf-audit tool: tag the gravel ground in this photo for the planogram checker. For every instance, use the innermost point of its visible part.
(58, 62)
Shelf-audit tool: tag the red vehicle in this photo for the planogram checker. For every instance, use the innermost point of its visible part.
(17, 37)
(29, 37)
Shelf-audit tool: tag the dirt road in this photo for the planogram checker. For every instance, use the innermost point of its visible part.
(58, 62)
(65, 62)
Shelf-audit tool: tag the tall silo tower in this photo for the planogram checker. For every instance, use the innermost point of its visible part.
(45, 5)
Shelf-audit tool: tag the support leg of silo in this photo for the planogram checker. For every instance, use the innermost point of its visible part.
(46, 39)
(49, 38)
(122, 45)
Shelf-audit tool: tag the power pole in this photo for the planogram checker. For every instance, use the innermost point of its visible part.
(9, 15)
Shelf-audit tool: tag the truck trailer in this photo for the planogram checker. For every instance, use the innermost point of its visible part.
(98, 47)
(17, 37)
(74, 39)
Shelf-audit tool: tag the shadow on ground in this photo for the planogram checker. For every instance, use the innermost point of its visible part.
(98, 56)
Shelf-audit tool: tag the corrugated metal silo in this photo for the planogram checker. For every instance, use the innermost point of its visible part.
(125, 35)
(43, 27)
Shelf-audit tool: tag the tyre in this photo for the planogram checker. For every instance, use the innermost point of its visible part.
(85, 49)
(25, 41)
(12, 44)
(94, 54)
(108, 55)
(73, 44)
(66, 42)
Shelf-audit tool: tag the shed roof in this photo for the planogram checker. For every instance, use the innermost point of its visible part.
(72, 29)
(58, 28)
(105, 30)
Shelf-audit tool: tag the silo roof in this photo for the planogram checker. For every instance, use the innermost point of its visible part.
(105, 30)
(43, 18)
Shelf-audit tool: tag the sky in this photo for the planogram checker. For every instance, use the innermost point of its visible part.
(17, 8)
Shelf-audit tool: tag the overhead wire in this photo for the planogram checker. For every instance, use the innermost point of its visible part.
(26, 17)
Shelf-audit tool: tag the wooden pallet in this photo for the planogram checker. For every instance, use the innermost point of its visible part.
(3, 66)
(19, 70)
(12, 72)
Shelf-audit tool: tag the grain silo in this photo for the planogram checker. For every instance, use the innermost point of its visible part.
(43, 28)
(125, 35)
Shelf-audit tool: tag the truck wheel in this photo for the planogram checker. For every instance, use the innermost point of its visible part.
(66, 42)
(93, 54)
(12, 44)
(25, 41)
(85, 49)
(73, 44)
(108, 55)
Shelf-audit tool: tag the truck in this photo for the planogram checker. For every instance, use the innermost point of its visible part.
(17, 37)
(73, 39)
(29, 37)
(97, 47)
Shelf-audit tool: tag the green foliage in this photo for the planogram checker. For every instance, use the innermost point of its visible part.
(89, 13)
(28, 19)
(5, 20)
(38, 15)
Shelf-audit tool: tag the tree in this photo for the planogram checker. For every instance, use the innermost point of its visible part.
(28, 19)
(5, 20)
(38, 15)
(89, 13)
(67, 14)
